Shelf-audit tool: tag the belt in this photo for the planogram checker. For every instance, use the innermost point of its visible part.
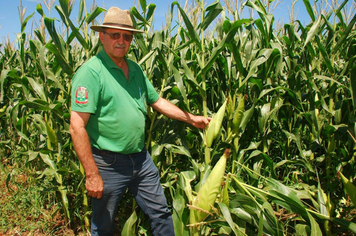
(103, 152)
(106, 152)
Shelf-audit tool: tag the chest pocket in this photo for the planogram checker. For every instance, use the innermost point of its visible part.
(141, 102)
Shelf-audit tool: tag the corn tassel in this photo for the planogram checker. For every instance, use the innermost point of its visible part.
(208, 192)
(215, 125)
(349, 187)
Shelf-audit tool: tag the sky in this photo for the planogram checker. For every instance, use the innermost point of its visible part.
(10, 20)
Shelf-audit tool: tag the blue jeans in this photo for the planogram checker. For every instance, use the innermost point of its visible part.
(138, 173)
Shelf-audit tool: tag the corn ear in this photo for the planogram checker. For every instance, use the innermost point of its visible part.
(208, 192)
(215, 125)
(349, 187)
(230, 106)
(238, 114)
(225, 193)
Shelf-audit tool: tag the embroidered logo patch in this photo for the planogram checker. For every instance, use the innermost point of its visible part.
(81, 96)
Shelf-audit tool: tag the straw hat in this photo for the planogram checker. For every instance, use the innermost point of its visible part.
(116, 18)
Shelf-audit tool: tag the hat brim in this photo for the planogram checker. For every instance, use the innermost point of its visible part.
(100, 28)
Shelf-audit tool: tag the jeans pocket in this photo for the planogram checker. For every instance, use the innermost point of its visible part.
(104, 160)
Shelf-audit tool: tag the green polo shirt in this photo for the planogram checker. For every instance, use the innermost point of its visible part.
(118, 106)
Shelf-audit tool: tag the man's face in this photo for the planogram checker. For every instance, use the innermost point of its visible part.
(116, 42)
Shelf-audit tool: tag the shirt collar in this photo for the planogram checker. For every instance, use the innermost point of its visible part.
(111, 64)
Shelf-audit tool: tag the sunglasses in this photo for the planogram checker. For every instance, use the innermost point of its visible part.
(127, 37)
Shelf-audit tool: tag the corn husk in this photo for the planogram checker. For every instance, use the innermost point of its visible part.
(215, 125)
(209, 191)
(238, 114)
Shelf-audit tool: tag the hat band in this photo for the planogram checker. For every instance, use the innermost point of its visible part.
(119, 25)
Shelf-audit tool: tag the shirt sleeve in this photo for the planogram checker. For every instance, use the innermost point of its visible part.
(152, 95)
(85, 90)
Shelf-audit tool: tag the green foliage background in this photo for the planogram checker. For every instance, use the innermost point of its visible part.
(289, 121)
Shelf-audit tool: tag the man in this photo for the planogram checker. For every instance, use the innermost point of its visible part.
(107, 125)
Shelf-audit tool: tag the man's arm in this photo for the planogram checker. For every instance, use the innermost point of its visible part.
(172, 111)
(94, 183)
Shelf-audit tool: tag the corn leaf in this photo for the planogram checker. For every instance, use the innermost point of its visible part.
(186, 178)
(178, 149)
(313, 31)
(353, 85)
(229, 37)
(24, 23)
(345, 35)
(49, 23)
(349, 187)
(129, 228)
(63, 12)
(227, 216)
(51, 134)
(179, 215)
(213, 11)
(179, 82)
(151, 10)
(143, 4)
(348, 225)
(309, 9)
(38, 88)
(192, 32)
(40, 10)
(65, 201)
(136, 14)
(61, 60)
(3, 77)
(326, 57)
(91, 17)
(53, 170)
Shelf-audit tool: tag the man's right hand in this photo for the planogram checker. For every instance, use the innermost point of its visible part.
(94, 185)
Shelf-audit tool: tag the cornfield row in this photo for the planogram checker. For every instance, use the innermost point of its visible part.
(286, 102)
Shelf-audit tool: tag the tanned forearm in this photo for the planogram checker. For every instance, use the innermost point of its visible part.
(172, 111)
(94, 183)
(83, 149)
